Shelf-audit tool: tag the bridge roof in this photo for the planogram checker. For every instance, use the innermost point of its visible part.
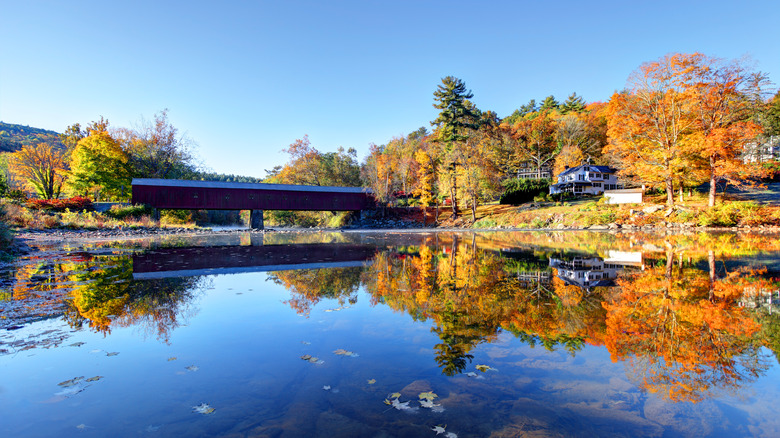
(249, 186)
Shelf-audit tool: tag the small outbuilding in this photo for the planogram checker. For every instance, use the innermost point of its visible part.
(624, 196)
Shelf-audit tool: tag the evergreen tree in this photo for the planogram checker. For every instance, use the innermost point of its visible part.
(457, 116)
(573, 103)
(549, 103)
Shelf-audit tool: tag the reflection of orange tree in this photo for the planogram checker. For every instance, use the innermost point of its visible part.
(309, 286)
(469, 294)
(108, 296)
(682, 330)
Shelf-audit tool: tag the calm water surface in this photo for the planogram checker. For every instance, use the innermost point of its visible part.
(394, 335)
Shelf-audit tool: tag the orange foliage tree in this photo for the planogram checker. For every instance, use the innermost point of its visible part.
(42, 166)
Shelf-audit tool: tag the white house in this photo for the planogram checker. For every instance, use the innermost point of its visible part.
(586, 179)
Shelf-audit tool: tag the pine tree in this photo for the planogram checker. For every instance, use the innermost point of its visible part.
(457, 116)
(573, 103)
(549, 103)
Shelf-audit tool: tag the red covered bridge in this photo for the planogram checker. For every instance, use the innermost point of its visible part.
(215, 195)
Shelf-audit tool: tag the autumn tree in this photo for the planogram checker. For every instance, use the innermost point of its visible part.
(156, 149)
(652, 122)
(536, 140)
(725, 97)
(456, 118)
(99, 167)
(71, 137)
(43, 167)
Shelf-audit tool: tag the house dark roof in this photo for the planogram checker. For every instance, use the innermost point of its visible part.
(602, 169)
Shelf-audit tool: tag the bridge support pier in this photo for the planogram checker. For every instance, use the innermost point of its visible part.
(256, 219)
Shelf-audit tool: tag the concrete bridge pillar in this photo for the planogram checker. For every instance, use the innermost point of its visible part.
(256, 219)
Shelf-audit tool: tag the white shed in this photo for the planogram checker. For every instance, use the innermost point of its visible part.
(625, 196)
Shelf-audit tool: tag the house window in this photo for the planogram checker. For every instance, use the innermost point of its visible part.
(596, 184)
(580, 177)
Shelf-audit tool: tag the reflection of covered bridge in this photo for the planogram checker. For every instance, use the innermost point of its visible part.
(210, 260)
(214, 195)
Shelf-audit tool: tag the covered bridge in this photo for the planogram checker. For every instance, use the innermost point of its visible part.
(216, 195)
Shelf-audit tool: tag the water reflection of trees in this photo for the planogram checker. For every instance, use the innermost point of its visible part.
(309, 286)
(106, 296)
(683, 322)
(683, 330)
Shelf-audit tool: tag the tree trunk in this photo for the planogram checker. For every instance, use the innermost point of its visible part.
(425, 212)
(454, 192)
(669, 191)
(713, 182)
(711, 262)
(473, 209)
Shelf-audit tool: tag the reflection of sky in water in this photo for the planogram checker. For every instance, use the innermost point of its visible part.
(247, 343)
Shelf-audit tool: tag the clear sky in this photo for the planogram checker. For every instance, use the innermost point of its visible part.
(244, 79)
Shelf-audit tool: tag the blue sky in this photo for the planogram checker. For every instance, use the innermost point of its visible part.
(244, 79)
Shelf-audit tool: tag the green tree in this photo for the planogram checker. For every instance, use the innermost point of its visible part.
(71, 137)
(156, 149)
(549, 103)
(574, 104)
(456, 118)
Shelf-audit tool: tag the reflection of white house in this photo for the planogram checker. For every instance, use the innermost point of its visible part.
(586, 179)
(587, 272)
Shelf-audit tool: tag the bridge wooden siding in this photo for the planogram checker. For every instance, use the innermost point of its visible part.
(214, 195)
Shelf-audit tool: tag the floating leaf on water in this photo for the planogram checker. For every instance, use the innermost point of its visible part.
(395, 395)
(305, 343)
(451, 435)
(371, 381)
(326, 387)
(485, 368)
(83, 426)
(306, 357)
(71, 382)
(114, 353)
(471, 374)
(94, 379)
(77, 344)
(172, 358)
(401, 406)
(343, 352)
(203, 408)
(438, 429)
(316, 360)
(192, 368)
(387, 402)
(431, 405)
(427, 396)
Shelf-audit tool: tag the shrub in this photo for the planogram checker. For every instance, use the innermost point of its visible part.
(485, 223)
(519, 190)
(727, 214)
(75, 203)
(131, 211)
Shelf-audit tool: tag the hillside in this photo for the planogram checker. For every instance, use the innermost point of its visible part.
(12, 137)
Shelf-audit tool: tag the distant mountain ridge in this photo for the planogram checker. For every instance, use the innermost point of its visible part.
(13, 137)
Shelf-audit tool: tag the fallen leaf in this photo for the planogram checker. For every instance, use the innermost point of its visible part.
(192, 368)
(94, 379)
(71, 382)
(203, 408)
(451, 435)
(427, 396)
(115, 353)
(306, 357)
(77, 344)
(326, 387)
(395, 395)
(485, 368)
(471, 374)
(371, 381)
(438, 429)
(343, 352)
(172, 358)
(83, 426)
